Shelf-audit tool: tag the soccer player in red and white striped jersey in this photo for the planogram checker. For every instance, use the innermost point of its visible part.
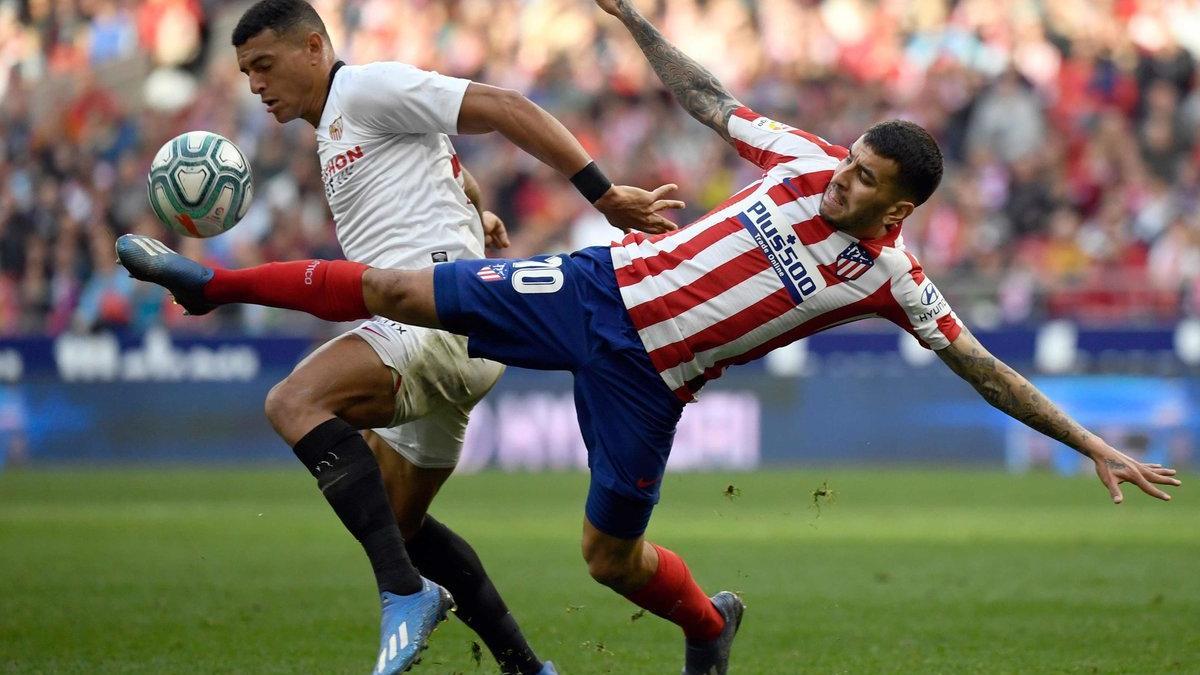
(644, 323)
(812, 244)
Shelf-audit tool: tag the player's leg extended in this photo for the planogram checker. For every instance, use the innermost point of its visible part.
(335, 290)
(318, 409)
(628, 417)
(447, 559)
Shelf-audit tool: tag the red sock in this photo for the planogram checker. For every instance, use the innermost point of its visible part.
(672, 593)
(327, 289)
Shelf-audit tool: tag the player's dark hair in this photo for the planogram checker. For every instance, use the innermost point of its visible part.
(914, 150)
(281, 16)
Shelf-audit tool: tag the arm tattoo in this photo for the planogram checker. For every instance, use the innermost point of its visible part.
(1115, 465)
(1011, 393)
(698, 91)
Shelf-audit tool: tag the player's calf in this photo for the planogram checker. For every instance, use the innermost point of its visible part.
(328, 289)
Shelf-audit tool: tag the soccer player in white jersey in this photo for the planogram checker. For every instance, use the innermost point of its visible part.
(401, 199)
(643, 324)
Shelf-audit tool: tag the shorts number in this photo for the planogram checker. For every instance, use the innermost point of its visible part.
(538, 276)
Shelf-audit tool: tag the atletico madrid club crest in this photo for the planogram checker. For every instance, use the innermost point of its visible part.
(852, 263)
(335, 129)
(495, 272)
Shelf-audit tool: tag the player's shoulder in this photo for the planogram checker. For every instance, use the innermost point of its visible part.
(908, 277)
(899, 261)
(747, 122)
(363, 83)
(362, 75)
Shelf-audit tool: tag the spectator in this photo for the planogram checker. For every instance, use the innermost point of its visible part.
(1070, 131)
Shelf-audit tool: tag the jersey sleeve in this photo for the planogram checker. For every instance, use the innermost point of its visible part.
(395, 97)
(766, 142)
(918, 307)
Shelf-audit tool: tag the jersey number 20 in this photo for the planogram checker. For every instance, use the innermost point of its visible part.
(538, 276)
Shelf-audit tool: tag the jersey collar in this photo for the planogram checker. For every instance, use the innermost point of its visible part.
(332, 73)
(875, 246)
(337, 65)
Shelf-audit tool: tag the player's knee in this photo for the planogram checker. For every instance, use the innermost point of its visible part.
(285, 402)
(609, 568)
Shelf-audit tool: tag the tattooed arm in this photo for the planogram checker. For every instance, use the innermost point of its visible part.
(1011, 393)
(698, 91)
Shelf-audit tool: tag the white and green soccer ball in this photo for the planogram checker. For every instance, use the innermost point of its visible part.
(200, 184)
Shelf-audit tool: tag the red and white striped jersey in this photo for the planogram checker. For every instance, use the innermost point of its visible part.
(763, 269)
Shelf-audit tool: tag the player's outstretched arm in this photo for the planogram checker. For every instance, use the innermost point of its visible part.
(698, 91)
(486, 108)
(1010, 392)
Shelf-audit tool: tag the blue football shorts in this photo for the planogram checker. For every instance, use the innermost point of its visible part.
(564, 312)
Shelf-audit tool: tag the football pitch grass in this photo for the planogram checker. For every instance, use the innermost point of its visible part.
(248, 571)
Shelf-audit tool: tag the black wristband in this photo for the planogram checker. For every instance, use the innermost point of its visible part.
(591, 182)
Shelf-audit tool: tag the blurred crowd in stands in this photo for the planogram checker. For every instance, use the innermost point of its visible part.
(1069, 128)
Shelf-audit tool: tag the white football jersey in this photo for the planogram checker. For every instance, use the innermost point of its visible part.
(391, 175)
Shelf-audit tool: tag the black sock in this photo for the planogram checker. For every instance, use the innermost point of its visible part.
(449, 560)
(349, 477)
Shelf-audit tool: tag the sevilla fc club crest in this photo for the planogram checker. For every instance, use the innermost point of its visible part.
(335, 129)
(852, 263)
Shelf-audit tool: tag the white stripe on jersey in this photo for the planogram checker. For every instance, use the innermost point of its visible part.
(773, 136)
(645, 248)
(704, 261)
(831, 298)
(705, 314)
(715, 254)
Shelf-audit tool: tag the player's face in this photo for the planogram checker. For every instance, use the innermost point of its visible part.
(283, 72)
(861, 196)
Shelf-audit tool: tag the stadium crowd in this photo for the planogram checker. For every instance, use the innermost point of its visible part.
(1069, 127)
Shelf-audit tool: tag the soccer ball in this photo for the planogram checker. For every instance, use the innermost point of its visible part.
(200, 184)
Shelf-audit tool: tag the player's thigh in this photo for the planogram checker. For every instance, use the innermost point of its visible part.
(435, 439)
(526, 313)
(410, 488)
(628, 417)
(344, 377)
(431, 369)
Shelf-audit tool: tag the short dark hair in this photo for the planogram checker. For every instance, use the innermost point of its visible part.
(280, 16)
(914, 150)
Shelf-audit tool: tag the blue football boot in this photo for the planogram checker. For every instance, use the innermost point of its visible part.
(712, 657)
(408, 621)
(547, 669)
(150, 260)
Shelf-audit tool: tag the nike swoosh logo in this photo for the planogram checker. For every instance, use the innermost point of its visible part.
(643, 483)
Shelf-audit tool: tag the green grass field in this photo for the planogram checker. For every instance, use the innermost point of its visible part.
(234, 571)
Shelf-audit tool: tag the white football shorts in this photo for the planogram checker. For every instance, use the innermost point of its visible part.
(437, 384)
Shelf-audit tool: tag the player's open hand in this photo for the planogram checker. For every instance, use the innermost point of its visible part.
(494, 233)
(631, 208)
(1115, 467)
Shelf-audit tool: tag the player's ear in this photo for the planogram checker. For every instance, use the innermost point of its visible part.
(898, 212)
(314, 44)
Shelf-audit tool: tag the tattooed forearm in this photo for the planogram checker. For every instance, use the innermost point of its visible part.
(698, 91)
(1011, 393)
